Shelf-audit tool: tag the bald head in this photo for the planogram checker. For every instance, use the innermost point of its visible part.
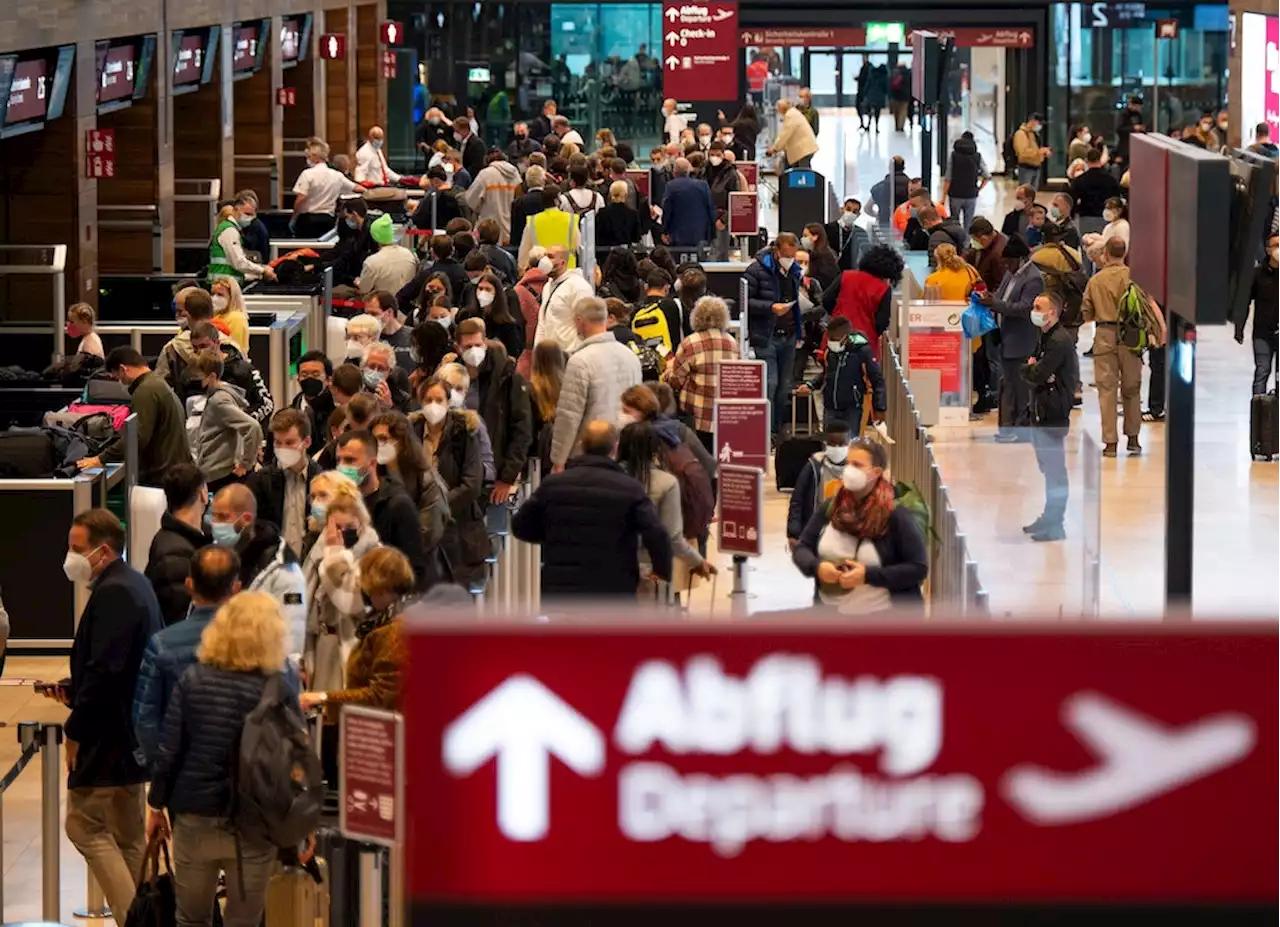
(376, 134)
(1115, 249)
(237, 498)
(599, 438)
(683, 167)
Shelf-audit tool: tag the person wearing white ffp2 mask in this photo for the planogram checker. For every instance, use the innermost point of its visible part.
(105, 804)
(866, 550)
(819, 479)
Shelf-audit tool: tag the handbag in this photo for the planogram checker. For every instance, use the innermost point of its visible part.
(153, 905)
(976, 319)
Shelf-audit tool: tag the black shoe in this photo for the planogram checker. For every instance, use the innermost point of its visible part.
(1134, 448)
(1035, 527)
(1050, 533)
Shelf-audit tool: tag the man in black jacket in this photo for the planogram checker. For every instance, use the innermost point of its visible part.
(314, 399)
(587, 519)
(469, 145)
(504, 404)
(181, 534)
(942, 231)
(354, 243)
(104, 818)
(1054, 376)
(283, 488)
(394, 514)
(528, 203)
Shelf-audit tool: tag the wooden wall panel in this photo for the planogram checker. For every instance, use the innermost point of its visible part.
(339, 129)
(135, 184)
(254, 134)
(368, 69)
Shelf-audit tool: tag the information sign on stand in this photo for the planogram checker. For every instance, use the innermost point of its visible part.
(741, 510)
(641, 178)
(937, 342)
(371, 760)
(750, 170)
(700, 50)
(740, 379)
(742, 432)
(744, 214)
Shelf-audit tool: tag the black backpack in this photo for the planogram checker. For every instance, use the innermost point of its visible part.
(1069, 285)
(279, 783)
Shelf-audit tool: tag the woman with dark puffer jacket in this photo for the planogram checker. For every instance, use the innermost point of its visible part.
(241, 650)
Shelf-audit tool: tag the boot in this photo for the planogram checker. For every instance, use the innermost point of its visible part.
(1108, 450)
(1134, 448)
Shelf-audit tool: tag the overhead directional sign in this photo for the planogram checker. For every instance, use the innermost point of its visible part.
(392, 33)
(784, 761)
(700, 50)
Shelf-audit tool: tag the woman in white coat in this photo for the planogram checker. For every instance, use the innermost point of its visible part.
(345, 534)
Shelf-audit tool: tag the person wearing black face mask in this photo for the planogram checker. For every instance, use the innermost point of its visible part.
(521, 146)
(354, 242)
(314, 398)
(333, 590)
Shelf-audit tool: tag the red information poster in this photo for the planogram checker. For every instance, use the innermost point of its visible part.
(371, 748)
(700, 50)
(741, 522)
(793, 761)
(744, 213)
(742, 432)
(740, 379)
(641, 178)
(751, 171)
(938, 351)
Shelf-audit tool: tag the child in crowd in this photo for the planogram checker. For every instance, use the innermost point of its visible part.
(848, 363)
(80, 321)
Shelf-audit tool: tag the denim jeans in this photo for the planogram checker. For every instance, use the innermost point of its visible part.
(1264, 361)
(203, 847)
(963, 210)
(779, 355)
(1029, 175)
(1051, 457)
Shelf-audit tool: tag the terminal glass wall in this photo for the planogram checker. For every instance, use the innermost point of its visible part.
(1100, 62)
(502, 60)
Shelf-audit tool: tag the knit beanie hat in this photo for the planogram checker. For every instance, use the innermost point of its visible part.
(382, 231)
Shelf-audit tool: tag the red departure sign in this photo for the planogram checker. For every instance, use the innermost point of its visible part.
(783, 761)
(371, 744)
(976, 37)
(700, 50)
(100, 153)
(333, 47)
(740, 491)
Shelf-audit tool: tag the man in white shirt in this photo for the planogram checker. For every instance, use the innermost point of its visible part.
(392, 267)
(317, 189)
(562, 292)
(560, 125)
(672, 122)
(371, 163)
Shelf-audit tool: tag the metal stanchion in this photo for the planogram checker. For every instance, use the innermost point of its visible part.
(370, 887)
(738, 596)
(50, 825)
(95, 903)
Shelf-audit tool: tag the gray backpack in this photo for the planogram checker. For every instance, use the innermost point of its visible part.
(279, 783)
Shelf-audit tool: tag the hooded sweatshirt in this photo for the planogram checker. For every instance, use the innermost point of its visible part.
(492, 192)
(229, 435)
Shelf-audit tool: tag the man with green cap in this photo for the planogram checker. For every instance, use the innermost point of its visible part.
(391, 267)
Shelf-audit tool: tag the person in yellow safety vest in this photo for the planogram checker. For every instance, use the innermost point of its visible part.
(550, 227)
(226, 249)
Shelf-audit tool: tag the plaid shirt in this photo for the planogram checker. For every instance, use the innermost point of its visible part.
(692, 373)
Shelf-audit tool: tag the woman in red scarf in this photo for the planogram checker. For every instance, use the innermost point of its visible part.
(866, 551)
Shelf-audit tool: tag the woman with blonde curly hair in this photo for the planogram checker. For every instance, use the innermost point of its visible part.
(242, 653)
(229, 311)
(692, 369)
(954, 277)
(346, 533)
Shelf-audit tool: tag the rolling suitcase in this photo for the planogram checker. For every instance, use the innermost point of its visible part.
(298, 896)
(1264, 426)
(795, 449)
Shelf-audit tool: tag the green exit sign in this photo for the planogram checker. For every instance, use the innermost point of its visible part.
(886, 32)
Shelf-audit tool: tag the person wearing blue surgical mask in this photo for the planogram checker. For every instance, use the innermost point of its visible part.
(227, 254)
(384, 379)
(371, 163)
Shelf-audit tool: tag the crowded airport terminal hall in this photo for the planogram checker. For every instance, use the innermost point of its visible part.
(456, 456)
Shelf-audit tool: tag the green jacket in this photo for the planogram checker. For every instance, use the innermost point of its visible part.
(811, 114)
(219, 265)
(162, 429)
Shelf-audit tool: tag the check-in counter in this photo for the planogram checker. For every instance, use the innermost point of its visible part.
(320, 245)
(44, 608)
(723, 277)
(313, 299)
(275, 344)
(137, 297)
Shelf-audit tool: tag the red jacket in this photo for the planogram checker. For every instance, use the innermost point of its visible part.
(859, 300)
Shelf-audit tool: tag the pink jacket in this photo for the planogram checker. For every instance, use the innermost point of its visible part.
(529, 292)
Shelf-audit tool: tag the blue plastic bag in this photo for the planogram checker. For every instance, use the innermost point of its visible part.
(977, 319)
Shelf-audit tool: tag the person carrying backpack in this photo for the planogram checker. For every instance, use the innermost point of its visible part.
(849, 365)
(1126, 325)
(1064, 277)
(235, 768)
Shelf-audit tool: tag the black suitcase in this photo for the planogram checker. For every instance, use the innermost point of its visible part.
(27, 454)
(1264, 426)
(342, 860)
(796, 446)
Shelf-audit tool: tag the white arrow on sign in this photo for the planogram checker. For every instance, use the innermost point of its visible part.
(673, 14)
(523, 724)
(672, 38)
(673, 62)
(1141, 760)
